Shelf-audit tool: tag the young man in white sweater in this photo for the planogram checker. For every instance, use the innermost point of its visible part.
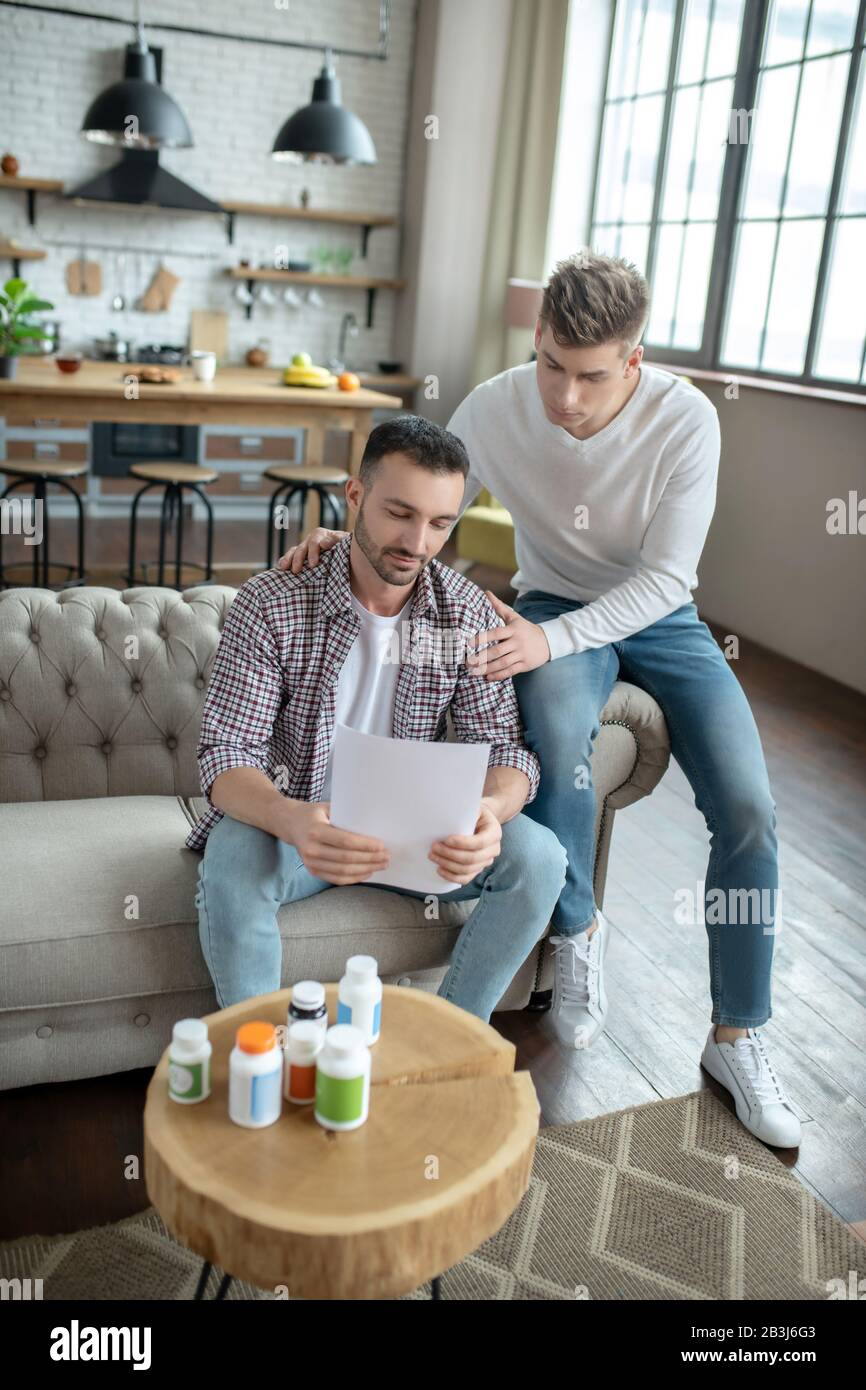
(609, 471)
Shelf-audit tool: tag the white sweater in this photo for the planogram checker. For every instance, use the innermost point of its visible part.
(647, 481)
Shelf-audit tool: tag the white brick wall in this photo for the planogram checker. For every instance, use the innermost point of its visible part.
(235, 97)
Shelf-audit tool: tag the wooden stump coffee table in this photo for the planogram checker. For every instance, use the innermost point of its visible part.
(440, 1164)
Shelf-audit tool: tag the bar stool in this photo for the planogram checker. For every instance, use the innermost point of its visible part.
(298, 480)
(39, 474)
(174, 477)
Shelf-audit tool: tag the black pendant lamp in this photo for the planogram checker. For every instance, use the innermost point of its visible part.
(325, 132)
(136, 112)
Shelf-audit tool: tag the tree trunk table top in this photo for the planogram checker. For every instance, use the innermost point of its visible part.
(441, 1162)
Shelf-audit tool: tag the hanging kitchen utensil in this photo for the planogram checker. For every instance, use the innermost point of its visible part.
(84, 276)
(118, 303)
(158, 295)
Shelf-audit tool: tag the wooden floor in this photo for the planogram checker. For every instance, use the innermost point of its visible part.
(66, 1148)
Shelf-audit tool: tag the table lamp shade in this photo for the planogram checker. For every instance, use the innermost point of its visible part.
(522, 303)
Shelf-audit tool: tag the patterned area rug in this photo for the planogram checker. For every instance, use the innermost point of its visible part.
(673, 1199)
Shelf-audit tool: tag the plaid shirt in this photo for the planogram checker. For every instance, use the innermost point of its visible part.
(271, 699)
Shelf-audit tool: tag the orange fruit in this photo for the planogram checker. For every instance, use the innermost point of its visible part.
(348, 381)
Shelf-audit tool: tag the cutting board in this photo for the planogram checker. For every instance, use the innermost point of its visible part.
(209, 332)
(84, 277)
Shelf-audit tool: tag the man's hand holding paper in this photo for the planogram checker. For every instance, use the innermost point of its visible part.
(422, 800)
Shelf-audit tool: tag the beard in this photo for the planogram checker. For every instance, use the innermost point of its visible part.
(380, 561)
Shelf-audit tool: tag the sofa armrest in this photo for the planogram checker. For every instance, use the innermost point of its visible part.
(638, 715)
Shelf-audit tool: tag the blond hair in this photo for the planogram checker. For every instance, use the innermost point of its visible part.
(592, 299)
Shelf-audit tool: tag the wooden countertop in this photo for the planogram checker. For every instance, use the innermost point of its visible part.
(245, 385)
(384, 379)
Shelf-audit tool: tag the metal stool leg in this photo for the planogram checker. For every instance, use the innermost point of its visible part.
(304, 490)
(272, 511)
(202, 1283)
(80, 534)
(288, 491)
(163, 517)
(194, 487)
(61, 482)
(178, 547)
(10, 487)
(130, 578)
(202, 1280)
(328, 507)
(282, 491)
(40, 494)
(37, 558)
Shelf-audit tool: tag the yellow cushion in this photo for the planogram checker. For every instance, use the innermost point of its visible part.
(485, 535)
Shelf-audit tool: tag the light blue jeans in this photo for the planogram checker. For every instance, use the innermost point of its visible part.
(715, 741)
(245, 875)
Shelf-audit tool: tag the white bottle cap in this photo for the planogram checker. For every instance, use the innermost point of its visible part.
(188, 1034)
(305, 1038)
(308, 994)
(344, 1039)
(362, 966)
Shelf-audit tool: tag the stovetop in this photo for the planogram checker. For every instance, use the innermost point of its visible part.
(166, 354)
(163, 353)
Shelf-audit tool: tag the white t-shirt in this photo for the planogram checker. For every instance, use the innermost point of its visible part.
(647, 482)
(367, 682)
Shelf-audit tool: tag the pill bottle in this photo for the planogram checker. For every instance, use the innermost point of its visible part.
(189, 1057)
(343, 1079)
(359, 997)
(255, 1076)
(308, 1005)
(303, 1045)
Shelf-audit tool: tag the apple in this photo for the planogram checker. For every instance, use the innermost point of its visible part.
(302, 359)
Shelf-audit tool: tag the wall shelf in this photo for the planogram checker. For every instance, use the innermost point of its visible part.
(232, 207)
(17, 254)
(31, 187)
(284, 211)
(371, 283)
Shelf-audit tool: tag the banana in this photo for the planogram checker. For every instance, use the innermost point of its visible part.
(309, 376)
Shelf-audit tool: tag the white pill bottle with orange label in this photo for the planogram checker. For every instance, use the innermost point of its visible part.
(255, 1076)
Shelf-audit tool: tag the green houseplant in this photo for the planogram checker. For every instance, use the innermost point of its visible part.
(17, 303)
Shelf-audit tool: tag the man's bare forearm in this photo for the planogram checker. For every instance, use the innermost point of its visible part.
(248, 795)
(505, 791)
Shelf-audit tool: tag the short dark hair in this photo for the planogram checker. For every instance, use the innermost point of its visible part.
(428, 445)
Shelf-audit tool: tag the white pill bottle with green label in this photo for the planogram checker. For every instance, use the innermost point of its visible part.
(359, 997)
(343, 1079)
(189, 1057)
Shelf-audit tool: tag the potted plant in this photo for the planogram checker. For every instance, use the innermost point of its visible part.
(17, 328)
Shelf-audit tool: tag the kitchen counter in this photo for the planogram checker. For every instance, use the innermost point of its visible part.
(249, 396)
(41, 398)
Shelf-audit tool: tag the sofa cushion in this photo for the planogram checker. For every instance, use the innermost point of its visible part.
(98, 903)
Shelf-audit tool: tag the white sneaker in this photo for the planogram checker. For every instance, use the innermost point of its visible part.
(579, 996)
(744, 1069)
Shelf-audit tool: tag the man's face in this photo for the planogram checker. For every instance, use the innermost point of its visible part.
(405, 514)
(579, 385)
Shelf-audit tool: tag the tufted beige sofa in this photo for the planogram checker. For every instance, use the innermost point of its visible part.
(100, 701)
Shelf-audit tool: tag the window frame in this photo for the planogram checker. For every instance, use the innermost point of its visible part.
(731, 192)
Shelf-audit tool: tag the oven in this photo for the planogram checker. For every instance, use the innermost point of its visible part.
(115, 446)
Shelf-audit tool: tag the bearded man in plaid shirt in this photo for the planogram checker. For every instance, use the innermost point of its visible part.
(302, 652)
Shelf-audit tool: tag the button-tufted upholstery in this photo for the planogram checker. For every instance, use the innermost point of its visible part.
(100, 701)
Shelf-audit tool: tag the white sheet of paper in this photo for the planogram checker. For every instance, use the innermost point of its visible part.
(406, 793)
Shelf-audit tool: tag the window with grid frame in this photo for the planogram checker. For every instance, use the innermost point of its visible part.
(731, 170)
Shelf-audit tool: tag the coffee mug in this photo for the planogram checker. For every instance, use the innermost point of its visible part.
(203, 365)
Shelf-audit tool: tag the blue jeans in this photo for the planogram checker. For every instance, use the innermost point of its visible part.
(715, 741)
(245, 875)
